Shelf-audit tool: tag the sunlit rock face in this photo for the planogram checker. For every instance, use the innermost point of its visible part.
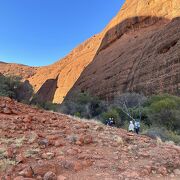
(137, 51)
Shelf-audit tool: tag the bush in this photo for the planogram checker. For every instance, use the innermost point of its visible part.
(163, 133)
(46, 105)
(164, 110)
(13, 87)
(132, 100)
(83, 105)
(112, 113)
(157, 132)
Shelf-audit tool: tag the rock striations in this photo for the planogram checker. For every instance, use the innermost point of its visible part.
(137, 51)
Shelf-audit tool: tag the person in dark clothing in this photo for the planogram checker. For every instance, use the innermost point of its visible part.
(137, 126)
(110, 122)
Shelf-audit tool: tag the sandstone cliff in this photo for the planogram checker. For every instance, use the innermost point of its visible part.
(137, 51)
(140, 51)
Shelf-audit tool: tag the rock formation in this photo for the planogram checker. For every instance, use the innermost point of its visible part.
(36, 144)
(137, 51)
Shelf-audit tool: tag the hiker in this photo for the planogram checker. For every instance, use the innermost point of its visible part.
(110, 122)
(137, 126)
(131, 127)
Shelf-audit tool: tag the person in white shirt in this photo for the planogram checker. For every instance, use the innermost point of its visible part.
(131, 127)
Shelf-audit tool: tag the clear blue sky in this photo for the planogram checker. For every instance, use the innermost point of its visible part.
(39, 32)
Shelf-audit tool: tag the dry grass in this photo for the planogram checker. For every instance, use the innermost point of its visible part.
(159, 141)
(32, 152)
(119, 140)
(72, 138)
(2, 152)
(85, 120)
(5, 163)
(18, 142)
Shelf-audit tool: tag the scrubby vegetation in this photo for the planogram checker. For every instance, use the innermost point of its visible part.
(22, 91)
(159, 114)
(13, 87)
(84, 105)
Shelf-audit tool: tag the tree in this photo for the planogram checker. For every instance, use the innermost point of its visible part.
(129, 102)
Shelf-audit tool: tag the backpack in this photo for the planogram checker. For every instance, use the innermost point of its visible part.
(137, 124)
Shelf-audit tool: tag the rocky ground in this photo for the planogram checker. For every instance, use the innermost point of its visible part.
(36, 144)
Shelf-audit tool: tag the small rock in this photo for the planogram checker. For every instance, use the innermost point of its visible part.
(79, 143)
(7, 110)
(33, 137)
(59, 143)
(171, 175)
(162, 170)
(48, 155)
(132, 174)
(87, 139)
(42, 167)
(50, 176)
(44, 142)
(5, 177)
(27, 172)
(19, 178)
(20, 158)
(22, 178)
(10, 152)
(177, 171)
(61, 177)
(72, 152)
(99, 128)
(39, 178)
(144, 154)
(27, 119)
(101, 165)
(80, 165)
(144, 172)
(97, 157)
(52, 137)
(148, 169)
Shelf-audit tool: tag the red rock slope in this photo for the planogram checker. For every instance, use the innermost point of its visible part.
(137, 51)
(36, 144)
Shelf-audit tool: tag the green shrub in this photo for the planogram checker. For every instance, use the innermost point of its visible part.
(14, 87)
(157, 103)
(155, 132)
(164, 110)
(160, 112)
(78, 114)
(112, 113)
(83, 105)
(163, 133)
(163, 104)
(46, 105)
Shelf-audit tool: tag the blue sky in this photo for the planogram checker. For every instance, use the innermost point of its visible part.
(40, 32)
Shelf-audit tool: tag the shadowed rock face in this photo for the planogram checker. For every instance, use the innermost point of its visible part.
(141, 58)
(47, 90)
(137, 51)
